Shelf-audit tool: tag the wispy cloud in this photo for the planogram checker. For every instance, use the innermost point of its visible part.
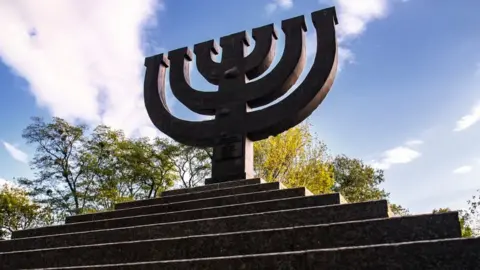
(83, 60)
(399, 155)
(354, 16)
(463, 169)
(414, 142)
(278, 4)
(468, 120)
(16, 153)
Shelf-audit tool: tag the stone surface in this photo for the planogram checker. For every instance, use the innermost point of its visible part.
(196, 204)
(274, 219)
(96, 232)
(221, 185)
(202, 195)
(452, 254)
(392, 230)
(238, 209)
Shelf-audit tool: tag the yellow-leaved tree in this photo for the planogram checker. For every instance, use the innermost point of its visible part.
(296, 159)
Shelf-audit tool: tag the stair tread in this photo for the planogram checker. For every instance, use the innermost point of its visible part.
(463, 253)
(202, 195)
(210, 212)
(445, 225)
(194, 204)
(236, 183)
(374, 209)
(363, 233)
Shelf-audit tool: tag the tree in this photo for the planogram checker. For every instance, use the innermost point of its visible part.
(76, 173)
(398, 210)
(59, 168)
(18, 212)
(356, 181)
(294, 158)
(472, 215)
(192, 165)
(467, 231)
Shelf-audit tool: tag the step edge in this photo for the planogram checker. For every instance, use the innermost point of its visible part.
(440, 217)
(200, 192)
(212, 185)
(384, 202)
(155, 205)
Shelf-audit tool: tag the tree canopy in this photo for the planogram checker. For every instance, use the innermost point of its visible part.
(18, 212)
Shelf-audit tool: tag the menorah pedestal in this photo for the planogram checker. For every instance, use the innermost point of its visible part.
(232, 160)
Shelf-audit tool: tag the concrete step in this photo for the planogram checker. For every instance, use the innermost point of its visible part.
(202, 195)
(360, 233)
(222, 211)
(450, 254)
(195, 204)
(229, 184)
(257, 221)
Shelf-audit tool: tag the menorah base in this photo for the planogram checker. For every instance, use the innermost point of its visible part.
(232, 159)
(229, 178)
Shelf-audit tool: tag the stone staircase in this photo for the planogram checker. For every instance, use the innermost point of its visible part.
(245, 224)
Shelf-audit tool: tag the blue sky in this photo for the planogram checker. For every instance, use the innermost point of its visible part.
(406, 99)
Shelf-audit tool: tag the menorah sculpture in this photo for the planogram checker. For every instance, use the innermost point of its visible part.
(235, 126)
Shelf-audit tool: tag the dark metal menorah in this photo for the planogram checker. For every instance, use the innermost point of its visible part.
(235, 126)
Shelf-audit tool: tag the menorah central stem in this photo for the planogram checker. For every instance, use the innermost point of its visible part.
(233, 152)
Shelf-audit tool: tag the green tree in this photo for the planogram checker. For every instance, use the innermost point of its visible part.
(357, 181)
(398, 210)
(472, 215)
(58, 165)
(18, 212)
(294, 158)
(77, 172)
(192, 165)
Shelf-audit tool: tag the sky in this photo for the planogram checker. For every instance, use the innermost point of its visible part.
(406, 98)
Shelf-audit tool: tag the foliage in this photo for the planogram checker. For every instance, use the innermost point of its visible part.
(192, 165)
(398, 210)
(77, 172)
(294, 158)
(356, 181)
(60, 169)
(472, 215)
(18, 212)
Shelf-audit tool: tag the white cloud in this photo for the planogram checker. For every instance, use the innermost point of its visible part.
(414, 142)
(355, 15)
(399, 155)
(468, 120)
(276, 4)
(16, 153)
(83, 60)
(463, 170)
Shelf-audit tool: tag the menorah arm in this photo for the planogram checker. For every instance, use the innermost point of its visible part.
(310, 93)
(286, 72)
(201, 102)
(210, 70)
(260, 59)
(190, 133)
